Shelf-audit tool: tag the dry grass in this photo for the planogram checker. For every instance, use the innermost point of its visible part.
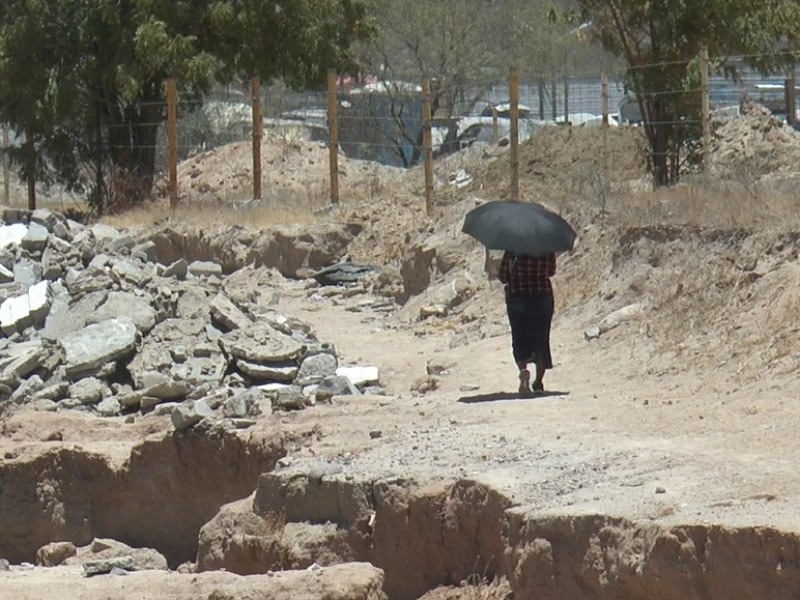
(718, 205)
(255, 216)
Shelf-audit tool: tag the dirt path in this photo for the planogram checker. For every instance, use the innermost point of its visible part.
(609, 438)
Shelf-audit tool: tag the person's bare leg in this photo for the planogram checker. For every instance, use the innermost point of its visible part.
(538, 383)
(524, 378)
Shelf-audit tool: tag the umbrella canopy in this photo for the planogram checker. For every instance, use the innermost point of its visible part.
(521, 227)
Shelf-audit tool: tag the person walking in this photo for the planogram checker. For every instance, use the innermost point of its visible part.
(530, 304)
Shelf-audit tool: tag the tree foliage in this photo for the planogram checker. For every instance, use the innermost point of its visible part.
(85, 79)
(661, 40)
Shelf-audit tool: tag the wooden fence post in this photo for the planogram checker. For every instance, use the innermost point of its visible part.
(172, 142)
(6, 167)
(791, 100)
(333, 135)
(705, 109)
(513, 86)
(604, 94)
(427, 143)
(30, 159)
(255, 93)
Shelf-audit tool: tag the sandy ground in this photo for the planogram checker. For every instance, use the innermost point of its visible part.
(626, 429)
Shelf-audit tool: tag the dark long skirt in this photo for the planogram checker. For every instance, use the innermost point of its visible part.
(530, 317)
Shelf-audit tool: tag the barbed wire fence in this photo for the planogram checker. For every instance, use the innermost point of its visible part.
(406, 124)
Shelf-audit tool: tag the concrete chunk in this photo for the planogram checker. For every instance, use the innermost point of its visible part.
(205, 268)
(36, 238)
(227, 314)
(88, 350)
(11, 235)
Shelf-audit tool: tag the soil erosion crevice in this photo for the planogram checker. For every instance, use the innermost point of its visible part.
(159, 498)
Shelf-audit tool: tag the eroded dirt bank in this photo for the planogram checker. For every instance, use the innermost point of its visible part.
(158, 496)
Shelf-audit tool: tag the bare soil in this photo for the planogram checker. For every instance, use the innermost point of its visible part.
(681, 417)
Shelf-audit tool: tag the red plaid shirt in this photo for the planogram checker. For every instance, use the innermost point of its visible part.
(527, 274)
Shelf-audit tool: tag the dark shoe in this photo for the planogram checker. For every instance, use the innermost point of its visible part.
(525, 382)
(538, 388)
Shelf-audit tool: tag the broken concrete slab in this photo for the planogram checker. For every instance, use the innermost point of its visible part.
(205, 268)
(227, 315)
(285, 372)
(88, 350)
(11, 235)
(27, 272)
(261, 343)
(36, 238)
(316, 367)
(19, 360)
(118, 304)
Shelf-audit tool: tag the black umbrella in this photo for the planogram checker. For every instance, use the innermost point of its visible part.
(521, 227)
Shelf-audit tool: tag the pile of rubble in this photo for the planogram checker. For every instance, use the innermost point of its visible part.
(91, 321)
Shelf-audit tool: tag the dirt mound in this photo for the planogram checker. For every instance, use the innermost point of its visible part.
(754, 146)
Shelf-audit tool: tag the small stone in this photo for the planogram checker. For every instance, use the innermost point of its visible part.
(375, 434)
(205, 268)
(660, 490)
(591, 333)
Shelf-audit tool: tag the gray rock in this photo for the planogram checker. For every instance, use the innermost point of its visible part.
(89, 349)
(21, 359)
(65, 318)
(106, 565)
(36, 238)
(190, 413)
(92, 279)
(192, 303)
(205, 268)
(243, 404)
(6, 275)
(125, 271)
(261, 343)
(165, 408)
(43, 406)
(89, 390)
(197, 370)
(284, 372)
(27, 389)
(123, 242)
(146, 251)
(338, 385)
(55, 392)
(179, 269)
(591, 333)
(316, 367)
(68, 404)
(7, 258)
(110, 407)
(168, 390)
(11, 235)
(290, 398)
(46, 218)
(227, 315)
(27, 272)
(126, 304)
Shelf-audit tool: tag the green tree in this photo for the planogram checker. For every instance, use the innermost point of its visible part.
(81, 76)
(661, 40)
